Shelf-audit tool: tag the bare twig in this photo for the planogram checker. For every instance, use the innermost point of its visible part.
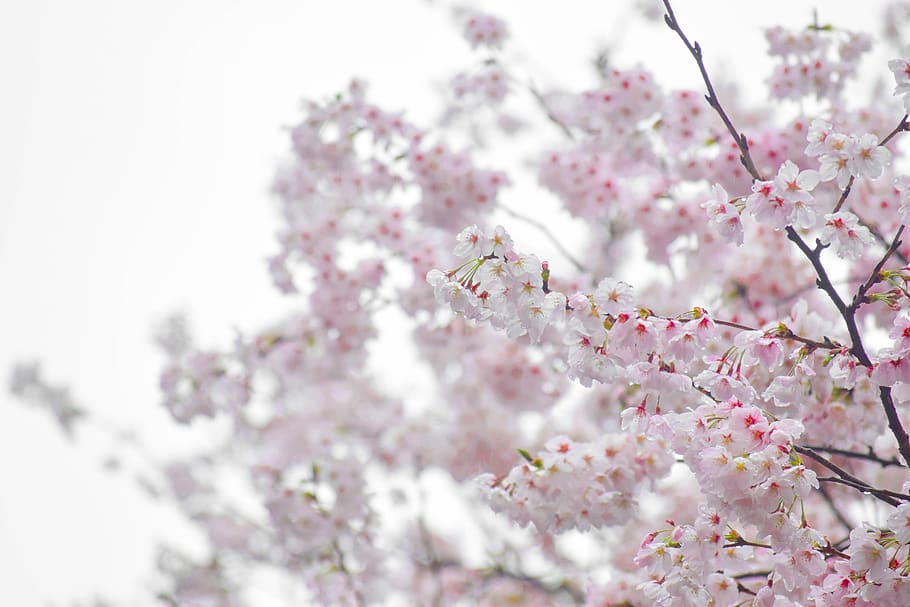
(903, 125)
(879, 493)
(844, 194)
(834, 509)
(870, 456)
(881, 239)
(845, 478)
(538, 96)
(694, 48)
(548, 233)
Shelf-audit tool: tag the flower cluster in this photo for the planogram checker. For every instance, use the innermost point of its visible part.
(745, 464)
(490, 84)
(842, 156)
(724, 215)
(808, 66)
(452, 188)
(848, 236)
(200, 384)
(759, 448)
(579, 485)
(786, 200)
(498, 284)
(484, 30)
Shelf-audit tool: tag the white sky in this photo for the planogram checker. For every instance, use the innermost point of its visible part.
(137, 143)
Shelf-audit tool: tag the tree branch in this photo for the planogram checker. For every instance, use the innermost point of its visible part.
(814, 255)
(870, 456)
(835, 510)
(903, 125)
(845, 478)
(538, 96)
(875, 277)
(741, 141)
(548, 233)
(784, 332)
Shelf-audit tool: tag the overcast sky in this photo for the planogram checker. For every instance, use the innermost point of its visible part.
(137, 143)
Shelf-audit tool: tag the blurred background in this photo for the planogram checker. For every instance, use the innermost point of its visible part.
(137, 144)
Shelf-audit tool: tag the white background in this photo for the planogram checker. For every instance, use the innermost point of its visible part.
(137, 144)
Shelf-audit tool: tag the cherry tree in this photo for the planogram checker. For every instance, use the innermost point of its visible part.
(699, 398)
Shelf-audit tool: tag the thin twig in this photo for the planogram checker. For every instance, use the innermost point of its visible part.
(694, 48)
(751, 574)
(844, 194)
(785, 333)
(538, 96)
(845, 478)
(834, 509)
(741, 541)
(879, 493)
(901, 126)
(498, 571)
(875, 275)
(880, 238)
(549, 234)
(870, 456)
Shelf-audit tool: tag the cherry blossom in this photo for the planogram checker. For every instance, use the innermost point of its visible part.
(703, 382)
(848, 237)
(484, 30)
(724, 215)
(901, 70)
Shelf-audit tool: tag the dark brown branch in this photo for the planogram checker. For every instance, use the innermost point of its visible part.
(870, 456)
(828, 464)
(844, 194)
(894, 422)
(865, 489)
(845, 478)
(741, 141)
(903, 125)
(814, 256)
(742, 588)
(785, 298)
(881, 239)
(734, 325)
(751, 574)
(741, 541)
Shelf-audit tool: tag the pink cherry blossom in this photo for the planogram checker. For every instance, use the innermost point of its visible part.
(544, 365)
(844, 232)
